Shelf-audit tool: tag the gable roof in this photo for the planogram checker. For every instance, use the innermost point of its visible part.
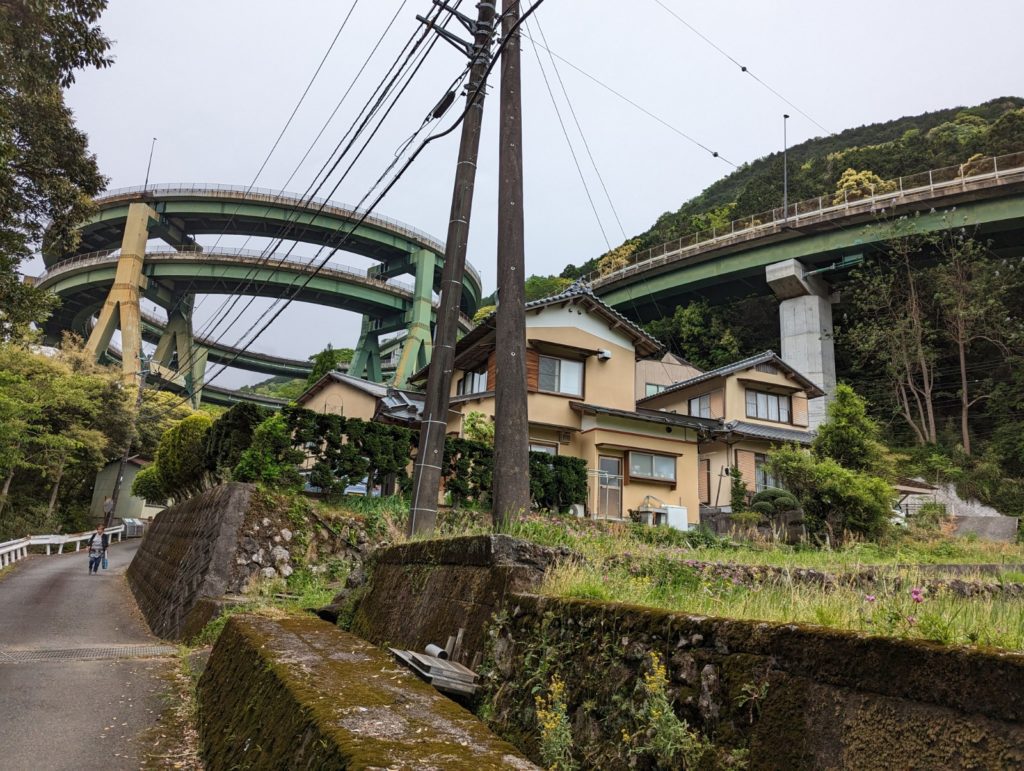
(578, 292)
(377, 390)
(767, 357)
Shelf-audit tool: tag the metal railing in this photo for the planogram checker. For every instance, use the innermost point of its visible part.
(249, 256)
(12, 551)
(972, 175)
(269, 195)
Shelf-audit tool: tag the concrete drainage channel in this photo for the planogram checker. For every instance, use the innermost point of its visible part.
(87, 654)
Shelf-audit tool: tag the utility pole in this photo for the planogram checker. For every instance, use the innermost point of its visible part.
(132, 433)
(433, 427)
(511, 432)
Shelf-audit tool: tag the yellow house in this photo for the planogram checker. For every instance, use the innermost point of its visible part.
(340, 394)
(758, 402)
(582, 402)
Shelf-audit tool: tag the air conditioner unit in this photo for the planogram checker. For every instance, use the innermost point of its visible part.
(564, 437)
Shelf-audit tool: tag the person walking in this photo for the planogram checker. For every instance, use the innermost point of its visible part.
(98, 543)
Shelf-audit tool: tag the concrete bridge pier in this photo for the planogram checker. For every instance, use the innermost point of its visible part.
(805, 326)
(121, 308)
(417, 346)
(366, 361)
(177, 357)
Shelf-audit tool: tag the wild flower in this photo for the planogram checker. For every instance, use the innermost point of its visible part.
(917, 594)
(870, 597)
(911, 620)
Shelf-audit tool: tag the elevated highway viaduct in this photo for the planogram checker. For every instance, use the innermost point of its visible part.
(796, 253)
(114, 267)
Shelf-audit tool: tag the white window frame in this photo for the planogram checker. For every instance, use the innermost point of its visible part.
(762, 405)
(703, 406)
(472, 383)
(651, 389)
(654, 457)
(560, 390)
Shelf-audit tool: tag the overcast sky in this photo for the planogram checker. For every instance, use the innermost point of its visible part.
(215, 82)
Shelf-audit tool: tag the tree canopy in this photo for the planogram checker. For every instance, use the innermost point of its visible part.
(47, 174)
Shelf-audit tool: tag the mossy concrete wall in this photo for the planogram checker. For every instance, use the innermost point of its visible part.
(822, 699)
(189, 554)
(298, 693)
(425, 591)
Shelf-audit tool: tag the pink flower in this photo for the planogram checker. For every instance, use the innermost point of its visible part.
(917, 594)
(869, 597)
(911, 620)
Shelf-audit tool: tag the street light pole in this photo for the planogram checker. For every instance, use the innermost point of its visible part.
(785, 171)
(149, 165)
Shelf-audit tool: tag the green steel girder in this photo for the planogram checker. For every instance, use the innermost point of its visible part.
(650, 294)
(183, 216)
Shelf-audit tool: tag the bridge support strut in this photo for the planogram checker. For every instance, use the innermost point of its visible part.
(805, 329)
(417, 345)
(121, 307)
(366, 361)
(189, 368)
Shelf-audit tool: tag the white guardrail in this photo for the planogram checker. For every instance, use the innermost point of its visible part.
(12, 551)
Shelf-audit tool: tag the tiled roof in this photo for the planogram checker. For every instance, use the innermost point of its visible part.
(401, 406)
(377, 390)
(767, 357)
(770, 433)
(651, 416)
(579, 290)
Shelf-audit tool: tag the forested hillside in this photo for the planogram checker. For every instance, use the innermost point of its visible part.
(898, 147)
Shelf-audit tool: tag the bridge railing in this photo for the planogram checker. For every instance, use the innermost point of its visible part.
(254, 256)
(270, 195)
(12, 551)
(983, 172)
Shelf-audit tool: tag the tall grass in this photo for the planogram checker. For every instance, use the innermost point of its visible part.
(941, 617)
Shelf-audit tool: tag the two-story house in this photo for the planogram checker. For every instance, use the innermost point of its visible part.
(581, 359)
(758, 402)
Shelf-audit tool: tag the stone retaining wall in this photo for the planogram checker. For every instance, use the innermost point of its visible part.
(796, 696)
(299, 693)
(425, 591)
(189, 554)
(220, 543)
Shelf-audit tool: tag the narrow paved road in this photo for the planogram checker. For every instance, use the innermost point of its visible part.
(81, 677)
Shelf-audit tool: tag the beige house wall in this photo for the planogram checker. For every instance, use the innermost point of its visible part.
(339, 399)
(728, 397)
(663, 372)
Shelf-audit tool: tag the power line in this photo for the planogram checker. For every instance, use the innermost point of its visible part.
(568, 141)
(583, 136)
(355, 130)
(644, 110)
(743, 68)
(270, 153)
(366, 212)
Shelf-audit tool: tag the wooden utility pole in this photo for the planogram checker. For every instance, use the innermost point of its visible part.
(433, 427)
(511, 431)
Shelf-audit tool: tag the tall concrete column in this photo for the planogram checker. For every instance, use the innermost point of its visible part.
(366, 361)
(190, 367)
(121, 307)
(416, 349)
(805, 326)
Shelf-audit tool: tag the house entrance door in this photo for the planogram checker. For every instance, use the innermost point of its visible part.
(609, 487)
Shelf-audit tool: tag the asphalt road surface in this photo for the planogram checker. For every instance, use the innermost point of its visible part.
(81, 677)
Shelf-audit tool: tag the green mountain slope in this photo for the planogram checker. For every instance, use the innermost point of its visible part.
(907, 145)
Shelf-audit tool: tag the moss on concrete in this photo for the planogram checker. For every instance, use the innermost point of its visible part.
(796, 696)
(299, 693)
